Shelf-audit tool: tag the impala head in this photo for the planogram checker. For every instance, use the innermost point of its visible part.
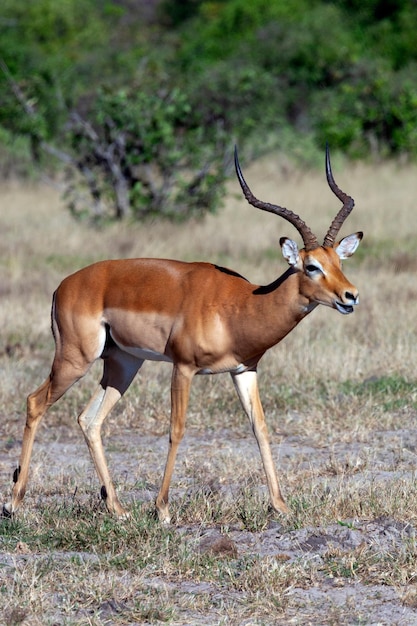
(323, 281)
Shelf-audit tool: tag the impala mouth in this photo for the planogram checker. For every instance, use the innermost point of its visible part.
(345, 309)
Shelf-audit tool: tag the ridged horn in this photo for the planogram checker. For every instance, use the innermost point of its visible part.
(348, 204)
(310, 240)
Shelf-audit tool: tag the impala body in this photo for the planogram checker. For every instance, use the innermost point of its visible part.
(202, 318)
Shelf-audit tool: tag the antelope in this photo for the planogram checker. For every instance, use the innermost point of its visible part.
(202, 318)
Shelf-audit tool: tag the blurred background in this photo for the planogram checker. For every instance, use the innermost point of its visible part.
(133, 107)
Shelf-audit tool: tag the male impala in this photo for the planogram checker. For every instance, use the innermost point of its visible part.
(202, 318)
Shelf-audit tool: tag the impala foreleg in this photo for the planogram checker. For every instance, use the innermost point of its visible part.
(246, 385)
(180, 392)
(119, 371)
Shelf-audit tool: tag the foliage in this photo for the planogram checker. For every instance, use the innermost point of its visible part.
(332, 86)
(386, 29)
(149, 155)
(52, 50)
(174, 12)
(239, 97)
(73, 73)
(375, 110)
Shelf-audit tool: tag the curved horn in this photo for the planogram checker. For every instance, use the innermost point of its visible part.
(348, 204)
(310, 240)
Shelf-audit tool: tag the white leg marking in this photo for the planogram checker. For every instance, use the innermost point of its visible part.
(247, 388)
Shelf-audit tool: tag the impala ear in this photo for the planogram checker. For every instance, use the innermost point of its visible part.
(290, 251)
(347, 246)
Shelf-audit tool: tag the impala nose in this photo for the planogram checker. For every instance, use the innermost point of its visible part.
(352, 297)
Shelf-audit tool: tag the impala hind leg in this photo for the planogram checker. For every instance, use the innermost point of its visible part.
(59, 381)
(246, 385)
(180, 392)
(120, 369)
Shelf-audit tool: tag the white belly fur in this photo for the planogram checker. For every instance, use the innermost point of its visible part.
(142, 353)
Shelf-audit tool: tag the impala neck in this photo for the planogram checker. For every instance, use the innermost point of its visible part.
(281, 306)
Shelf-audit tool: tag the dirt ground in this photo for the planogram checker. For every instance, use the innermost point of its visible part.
(331, 598)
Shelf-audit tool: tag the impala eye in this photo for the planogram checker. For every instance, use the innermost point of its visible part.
(312, 268)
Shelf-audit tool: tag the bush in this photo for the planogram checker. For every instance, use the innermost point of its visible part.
(144, 154)
(240, 97)
(375, 110)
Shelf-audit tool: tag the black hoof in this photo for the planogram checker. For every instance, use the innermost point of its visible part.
(6, 514)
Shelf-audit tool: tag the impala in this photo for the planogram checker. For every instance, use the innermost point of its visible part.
(202, 318)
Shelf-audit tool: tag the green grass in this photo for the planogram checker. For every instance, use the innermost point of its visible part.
(391, 392)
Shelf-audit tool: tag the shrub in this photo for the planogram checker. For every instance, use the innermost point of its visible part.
(374, 109)
(145, 154)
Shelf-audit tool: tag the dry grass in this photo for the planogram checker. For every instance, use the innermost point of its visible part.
(340, 396)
